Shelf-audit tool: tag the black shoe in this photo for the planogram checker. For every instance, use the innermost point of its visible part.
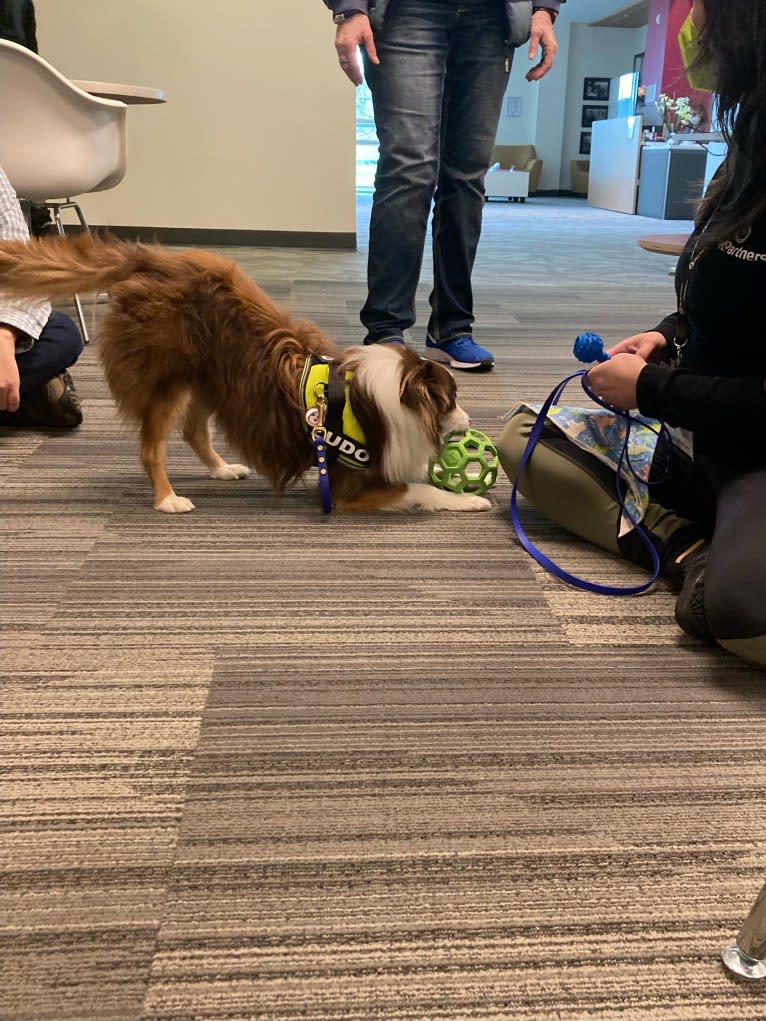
(45, 230)
(684, 538)
(393, 339)
(690, 604)
(41, 223)
(54, 405)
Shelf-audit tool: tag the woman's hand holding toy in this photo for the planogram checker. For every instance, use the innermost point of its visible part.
(614, 381)
(650, 346)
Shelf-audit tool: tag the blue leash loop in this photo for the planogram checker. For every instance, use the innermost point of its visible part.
(318, 439)
(538, 555)
(315, 417)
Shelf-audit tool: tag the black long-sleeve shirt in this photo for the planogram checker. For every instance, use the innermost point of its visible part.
(718, 392)
(17, 22)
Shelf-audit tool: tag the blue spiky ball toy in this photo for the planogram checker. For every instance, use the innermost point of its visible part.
(589, 347)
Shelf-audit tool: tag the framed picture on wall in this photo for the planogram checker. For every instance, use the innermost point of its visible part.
(593, 113)
(513, 106)
(596, 89)
(585, 143)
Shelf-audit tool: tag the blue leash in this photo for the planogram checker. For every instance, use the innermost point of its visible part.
(587, 351)
(318, 439)
(315, 417)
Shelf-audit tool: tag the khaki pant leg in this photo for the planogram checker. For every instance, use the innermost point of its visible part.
(572, 487)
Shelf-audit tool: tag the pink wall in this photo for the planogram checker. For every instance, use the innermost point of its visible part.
(662, 61)
(654, 58)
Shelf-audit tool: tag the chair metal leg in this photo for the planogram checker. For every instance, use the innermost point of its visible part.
(56, 208)
(26, 208)
(748, 955)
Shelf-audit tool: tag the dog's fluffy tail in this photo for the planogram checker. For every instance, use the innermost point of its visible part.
(59, 267)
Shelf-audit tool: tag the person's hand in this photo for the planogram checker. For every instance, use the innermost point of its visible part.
(542, 36)
(9, 371)
(651, 346)
(349, 36)
(615, 381)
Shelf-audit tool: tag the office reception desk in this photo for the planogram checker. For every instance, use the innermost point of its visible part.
(671, 181)
(614, 156)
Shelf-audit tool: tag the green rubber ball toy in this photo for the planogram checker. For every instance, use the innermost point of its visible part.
(467, 463)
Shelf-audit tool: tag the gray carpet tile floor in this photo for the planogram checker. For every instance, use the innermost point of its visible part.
(260, 763)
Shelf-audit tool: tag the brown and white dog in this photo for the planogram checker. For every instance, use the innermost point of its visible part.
(187, 335)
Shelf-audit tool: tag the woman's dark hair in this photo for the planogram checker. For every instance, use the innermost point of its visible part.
(733, 42)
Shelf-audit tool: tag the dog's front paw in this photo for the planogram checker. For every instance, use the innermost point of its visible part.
(229, 472)
(421, 497)
(472, 503)
(174, 504)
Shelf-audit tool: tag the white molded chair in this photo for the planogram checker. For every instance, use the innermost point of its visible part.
(56, 141)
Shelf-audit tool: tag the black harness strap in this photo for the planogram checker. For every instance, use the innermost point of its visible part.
(336, 398)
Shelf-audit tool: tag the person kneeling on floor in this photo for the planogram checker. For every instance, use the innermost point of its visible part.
(37, 346)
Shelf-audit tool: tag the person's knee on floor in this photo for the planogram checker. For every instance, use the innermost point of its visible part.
(735, 598)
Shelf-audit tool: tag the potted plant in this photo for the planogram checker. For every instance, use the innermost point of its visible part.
(677, 114)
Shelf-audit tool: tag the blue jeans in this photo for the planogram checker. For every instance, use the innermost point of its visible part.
(58, 347)
(437, 95)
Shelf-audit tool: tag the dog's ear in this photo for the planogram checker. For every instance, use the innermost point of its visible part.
(426, 385)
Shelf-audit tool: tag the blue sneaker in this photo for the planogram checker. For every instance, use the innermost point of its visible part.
(460, 353)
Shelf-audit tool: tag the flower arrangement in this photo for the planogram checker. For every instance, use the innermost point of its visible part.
(676, 113)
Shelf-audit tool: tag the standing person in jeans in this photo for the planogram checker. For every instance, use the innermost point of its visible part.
(437, 71)
(37, 346)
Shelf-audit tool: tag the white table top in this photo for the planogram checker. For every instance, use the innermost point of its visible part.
(130, 94)
(664, 244)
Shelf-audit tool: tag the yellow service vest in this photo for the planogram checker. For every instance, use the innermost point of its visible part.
(348, 447)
